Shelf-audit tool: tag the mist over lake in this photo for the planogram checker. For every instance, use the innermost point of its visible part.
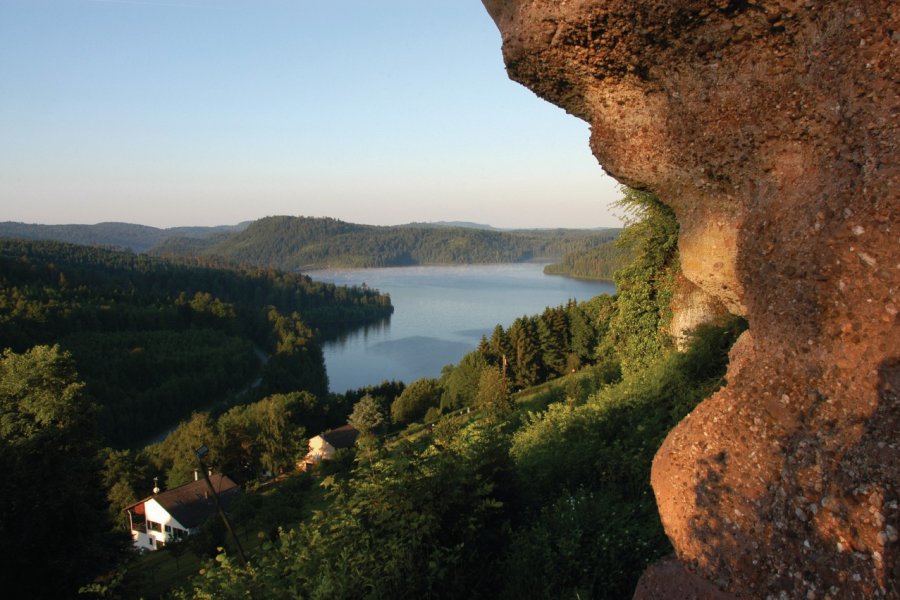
(440, 314)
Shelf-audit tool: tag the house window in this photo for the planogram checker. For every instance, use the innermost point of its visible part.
(168, 530)
(154, 526)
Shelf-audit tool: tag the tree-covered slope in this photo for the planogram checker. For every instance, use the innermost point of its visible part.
(157, 338)
(600, 262)
(115, 235)
(297, 242)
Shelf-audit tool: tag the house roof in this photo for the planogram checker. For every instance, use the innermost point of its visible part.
(191, 504)
(342, 437)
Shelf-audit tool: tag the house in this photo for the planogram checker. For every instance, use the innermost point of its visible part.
(177, 512)
(323, 446)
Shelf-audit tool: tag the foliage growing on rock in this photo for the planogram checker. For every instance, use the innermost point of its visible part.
(644, 286)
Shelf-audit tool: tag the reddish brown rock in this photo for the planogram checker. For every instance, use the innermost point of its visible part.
(668, 579)
(771, 128)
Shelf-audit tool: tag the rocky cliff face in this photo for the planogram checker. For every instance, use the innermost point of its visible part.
(692, 307)
(771, 128)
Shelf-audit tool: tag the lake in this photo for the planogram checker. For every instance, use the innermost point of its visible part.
(440, 314)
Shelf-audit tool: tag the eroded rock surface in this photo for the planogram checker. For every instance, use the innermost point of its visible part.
(771, 128)
(692, 307)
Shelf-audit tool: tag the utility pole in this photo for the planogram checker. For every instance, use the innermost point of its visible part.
(201, 452)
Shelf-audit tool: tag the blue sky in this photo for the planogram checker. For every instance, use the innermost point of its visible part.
(202, 112)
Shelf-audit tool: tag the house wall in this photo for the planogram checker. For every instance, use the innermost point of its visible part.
(150, 539)
(319, 450)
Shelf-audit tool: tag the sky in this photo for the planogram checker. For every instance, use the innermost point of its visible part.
(210, 112)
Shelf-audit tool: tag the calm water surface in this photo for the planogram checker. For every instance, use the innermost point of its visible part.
(440, 314)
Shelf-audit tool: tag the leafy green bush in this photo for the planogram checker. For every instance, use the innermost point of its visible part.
(415, 401)
(603, 450)
(432, 414)
(406, 526)
(644, 286)
(460, 382)
(583, 544)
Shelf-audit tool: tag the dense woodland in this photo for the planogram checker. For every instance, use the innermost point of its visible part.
(520, 472)
(155, 339)
(600, 262)
(292, 243)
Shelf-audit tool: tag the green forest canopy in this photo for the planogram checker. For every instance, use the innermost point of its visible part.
(600, 262)
(129, 236)
(292, 243)
(157, 338)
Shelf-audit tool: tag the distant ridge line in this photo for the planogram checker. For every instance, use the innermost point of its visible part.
(115, 234)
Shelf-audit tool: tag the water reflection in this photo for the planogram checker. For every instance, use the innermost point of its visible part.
(344, 334)
(440, 314)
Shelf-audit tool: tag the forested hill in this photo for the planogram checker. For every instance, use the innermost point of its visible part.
(600, 262)
(297, 242)
(138, 238)
(154, 339)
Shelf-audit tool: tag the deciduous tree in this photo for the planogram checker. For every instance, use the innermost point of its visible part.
(50, 479)
(366, 416)
(415, 400)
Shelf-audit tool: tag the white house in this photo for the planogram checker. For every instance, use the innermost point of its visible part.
(323, 446)
(178, 512)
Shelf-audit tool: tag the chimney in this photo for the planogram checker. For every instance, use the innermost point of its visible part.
(156, 485)
(196, 474)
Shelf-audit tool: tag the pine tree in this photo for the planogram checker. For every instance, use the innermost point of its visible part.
(528, 366)
(493, 393)
(553, 335)
(484, 347)
(460, 383)
(582, 334)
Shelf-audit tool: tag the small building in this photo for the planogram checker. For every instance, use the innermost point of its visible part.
(179, 512)
(323, 446)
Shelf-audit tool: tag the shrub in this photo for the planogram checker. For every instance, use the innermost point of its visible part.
(415, 401)
(596, 457)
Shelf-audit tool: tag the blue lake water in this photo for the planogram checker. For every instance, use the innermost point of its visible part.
(440, 314)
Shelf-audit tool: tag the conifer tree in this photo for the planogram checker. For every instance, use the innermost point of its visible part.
(553, 333)
(493, 393)
(582, 334)
(523, 335)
